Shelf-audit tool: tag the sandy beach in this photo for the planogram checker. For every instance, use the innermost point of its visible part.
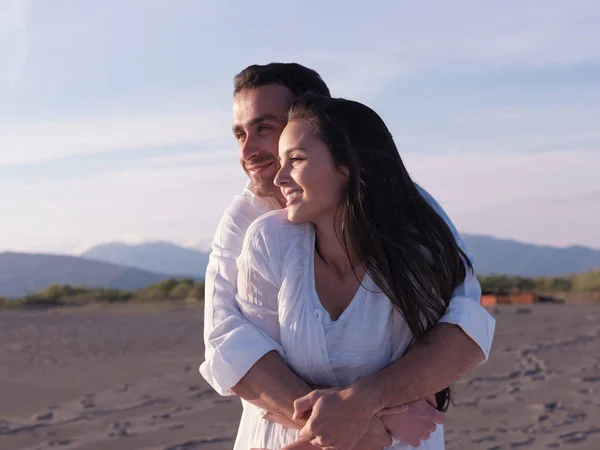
(128, 379)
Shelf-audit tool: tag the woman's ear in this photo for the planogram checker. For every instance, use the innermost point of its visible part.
(344, 171)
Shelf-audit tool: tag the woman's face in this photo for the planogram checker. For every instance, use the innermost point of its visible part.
(308, 179)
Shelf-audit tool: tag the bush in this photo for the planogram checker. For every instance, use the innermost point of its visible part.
(587, 282)
(180, 291)
(197, 292)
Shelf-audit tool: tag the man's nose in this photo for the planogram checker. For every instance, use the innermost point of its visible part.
(248, 149)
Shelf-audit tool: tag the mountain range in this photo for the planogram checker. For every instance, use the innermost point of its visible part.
(502, 256)
(159, 257)
(22, 274)
(123, 266)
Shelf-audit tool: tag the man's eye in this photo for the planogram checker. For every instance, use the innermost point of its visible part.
(263, 128)
(239, 136)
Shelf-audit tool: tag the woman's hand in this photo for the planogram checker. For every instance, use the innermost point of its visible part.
(413, 425)
(339, 418)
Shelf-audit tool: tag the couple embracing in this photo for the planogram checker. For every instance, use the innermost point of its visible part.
(341, 303)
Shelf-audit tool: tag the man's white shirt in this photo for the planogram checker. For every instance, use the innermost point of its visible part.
(233, 345)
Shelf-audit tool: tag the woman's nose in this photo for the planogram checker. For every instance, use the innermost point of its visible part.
(281, 177)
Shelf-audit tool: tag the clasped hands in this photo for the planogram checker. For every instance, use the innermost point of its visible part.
(342, 419)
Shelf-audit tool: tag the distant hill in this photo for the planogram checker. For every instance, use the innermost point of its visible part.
(159, 257)
(22, 274)
(503, 256)
(492, 255)
(130, 267)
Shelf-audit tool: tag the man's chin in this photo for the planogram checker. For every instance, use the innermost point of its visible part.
(263, 189)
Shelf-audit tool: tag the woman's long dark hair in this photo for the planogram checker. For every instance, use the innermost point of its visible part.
(406, 246)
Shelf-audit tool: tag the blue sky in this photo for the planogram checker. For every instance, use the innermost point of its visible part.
(115, 116)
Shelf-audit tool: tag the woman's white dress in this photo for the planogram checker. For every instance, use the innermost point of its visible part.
(276, 292)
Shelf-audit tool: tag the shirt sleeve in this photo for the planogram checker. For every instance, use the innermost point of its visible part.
(259, 280)
(232, 344)
(464, 309)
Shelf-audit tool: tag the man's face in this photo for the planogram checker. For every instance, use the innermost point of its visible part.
(258, 120)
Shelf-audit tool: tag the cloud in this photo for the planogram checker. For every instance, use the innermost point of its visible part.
(13, 40)
(41, 141)
(375, 46)
(531, 197)
(462, 83)
(506, 195)
(177, 203)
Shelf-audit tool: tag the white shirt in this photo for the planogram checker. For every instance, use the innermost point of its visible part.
(276, 293)
(233, 345)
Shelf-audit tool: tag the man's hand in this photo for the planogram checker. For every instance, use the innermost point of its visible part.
(282, 420)
(339, 418)
(413, 425)
(375, 438)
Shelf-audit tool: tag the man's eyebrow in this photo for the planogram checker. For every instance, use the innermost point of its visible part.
(257, 120)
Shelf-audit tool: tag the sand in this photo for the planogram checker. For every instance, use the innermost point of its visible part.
(128, 379)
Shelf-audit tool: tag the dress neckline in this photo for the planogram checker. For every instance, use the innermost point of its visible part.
(360, 292)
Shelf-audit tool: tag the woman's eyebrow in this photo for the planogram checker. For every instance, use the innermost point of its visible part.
(291, 149)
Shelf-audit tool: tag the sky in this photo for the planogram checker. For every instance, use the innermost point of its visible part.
(115, 117)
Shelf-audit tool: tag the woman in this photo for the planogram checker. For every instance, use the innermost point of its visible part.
(355, 267)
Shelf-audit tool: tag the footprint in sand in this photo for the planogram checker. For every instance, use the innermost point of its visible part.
(44, 417)
(89, 401)
(204, 393)
(578, 436)
(62, 443)
(120, 429)
(123, 388)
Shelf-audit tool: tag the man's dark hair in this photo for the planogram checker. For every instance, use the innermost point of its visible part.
(297, 78)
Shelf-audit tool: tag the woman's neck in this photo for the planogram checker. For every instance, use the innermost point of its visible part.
(330, 249)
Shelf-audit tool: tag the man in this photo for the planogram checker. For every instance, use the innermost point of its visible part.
(240, 359)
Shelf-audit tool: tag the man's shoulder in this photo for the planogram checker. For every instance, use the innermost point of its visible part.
(275, 226)
(272, 222)
(244, 209)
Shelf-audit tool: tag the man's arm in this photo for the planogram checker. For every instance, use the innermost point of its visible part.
(340, 416)
(433, 363)
(455, 345)
(232, 344)
(271, 385)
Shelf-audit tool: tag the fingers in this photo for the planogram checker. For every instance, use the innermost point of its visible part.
(300, 445)
(393, 410)
(307, 432)
(317, 441)
(432, 401)
(305, 404)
